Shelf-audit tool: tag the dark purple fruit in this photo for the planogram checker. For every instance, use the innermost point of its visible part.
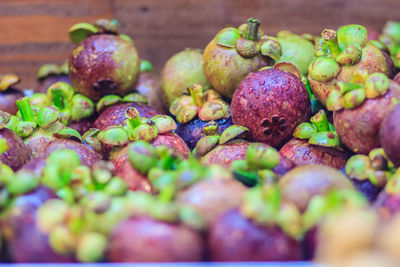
(270, 103)
(17, 153)
(390, 135)
(234, 238)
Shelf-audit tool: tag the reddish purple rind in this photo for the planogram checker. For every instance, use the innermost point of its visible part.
(87, 155)
(26, 243)
(94, 66)
(17, 153)
(387, 205)
(373, 34)
(358, 128)
(7, 100)
(45, 83)
(303, 153)
(302, 183)
(133, 179)
(234, 238)
(270, 99)
(36, 164)
(397, 78)
(148, 85)
(234, 150)
(115, 114)
(392, 69)
(213, 197)
(146, 240)
(390, 135)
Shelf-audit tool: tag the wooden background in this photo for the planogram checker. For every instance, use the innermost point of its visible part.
(34, 32)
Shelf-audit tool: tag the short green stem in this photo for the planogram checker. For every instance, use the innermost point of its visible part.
(330, 38)
(252, 29)
(133, 118)
(25, 109)
(58, 99)
(196, 92)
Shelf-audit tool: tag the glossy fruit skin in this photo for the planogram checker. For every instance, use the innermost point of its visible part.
(45, 83)
(302, 183)
(103, 64)
(270, 103)
(372, 60)
(303, 153)
(133, 179)
(225, 68)
(25, 242)
(213, 197)
(234, 238)
(115, 114)
(236, 149)
(7, 100)
(17, 153)
(147, 240)
(358, 128)
(192, 131)
(390, 135)
(182, 70)
(149, 86)
(87, 155)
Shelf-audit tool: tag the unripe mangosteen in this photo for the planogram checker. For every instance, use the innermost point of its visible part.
(389, 135)
(302, 183)
(169, 242)
(339, 55)
(194, 111)
(8, 93)
(358, 123)
(235, 52)
(16, 153)
(182, 70)
(102, 64)
(316, 143)
(270, 103)
(149, 86)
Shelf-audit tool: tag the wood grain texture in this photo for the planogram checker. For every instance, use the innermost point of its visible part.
(34, 32)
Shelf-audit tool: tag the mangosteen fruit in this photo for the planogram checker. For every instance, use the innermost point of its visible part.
(389, 138)
(182, 70)
(270, 103)
(49, 74)
(15, 153)
(103, 63)
(8, 93)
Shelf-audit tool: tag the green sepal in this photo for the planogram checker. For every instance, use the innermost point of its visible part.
(80, 31)
(232, 132)
(68, 133)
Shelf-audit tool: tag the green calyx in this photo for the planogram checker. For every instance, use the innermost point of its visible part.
(318, 131)
(3, 145)
(262, 157)
(110, 100)
(207, 105)
(323, 69)
(146, 66)
(270, 47)
(80, 31)
(52, 69)
(68, 133)
(375, 167)
(142, 156)
(350, 95)
(7, 81)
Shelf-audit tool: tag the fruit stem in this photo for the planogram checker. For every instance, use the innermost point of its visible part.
(133, 118)
(25, 109)
(330, 38)
(196, 92)
(252, 29)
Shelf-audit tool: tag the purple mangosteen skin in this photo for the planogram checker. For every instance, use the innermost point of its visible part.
(17, 153)
(234, 238)
(270, 103)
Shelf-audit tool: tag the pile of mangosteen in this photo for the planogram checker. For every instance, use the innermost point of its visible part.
(258, 147)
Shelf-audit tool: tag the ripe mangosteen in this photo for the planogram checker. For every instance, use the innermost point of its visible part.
(302, 183)
(254, 232)
(49, 74)
(388, 201)
(389, 137)
(15, 153)
(149, 86)
(194, 111)
(103, 63)
(360, 106)
(8, 93)
(340, 54)
(316, 143)
(270, 103)
(182, 70)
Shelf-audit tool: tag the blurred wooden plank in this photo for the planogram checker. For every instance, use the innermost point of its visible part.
(34, 32)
